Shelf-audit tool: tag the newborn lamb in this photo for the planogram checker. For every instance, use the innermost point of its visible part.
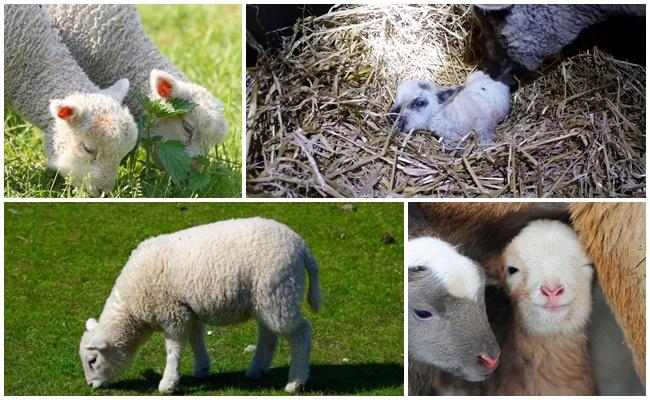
(222, 273)
(452, 113)
(548, 277)
(448, 328)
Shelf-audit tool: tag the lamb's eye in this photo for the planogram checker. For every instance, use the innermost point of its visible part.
(92, 361)
(188, 128)
(419, 103)
(512, 270)
(422, 314)
(89, 150)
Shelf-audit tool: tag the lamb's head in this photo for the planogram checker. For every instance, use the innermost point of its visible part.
(447, 321)
(102, 360)
(549, 278)
(417, 102)
(91, 134)
(203, 127)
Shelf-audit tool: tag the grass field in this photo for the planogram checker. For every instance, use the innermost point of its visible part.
(61, 260)
(209, 53)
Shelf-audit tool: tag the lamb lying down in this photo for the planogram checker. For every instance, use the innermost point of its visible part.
(478, 105)
(222, 273)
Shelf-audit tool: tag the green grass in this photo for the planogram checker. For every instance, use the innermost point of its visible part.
(205, 43)
(61, 260)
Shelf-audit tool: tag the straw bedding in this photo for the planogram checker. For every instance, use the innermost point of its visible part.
(317, 126)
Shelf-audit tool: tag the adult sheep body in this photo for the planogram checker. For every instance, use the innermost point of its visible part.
(87, 130)
(221, 273)
(108, 40)
(516, 38)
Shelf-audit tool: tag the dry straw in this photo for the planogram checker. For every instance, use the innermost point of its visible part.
(317, 116)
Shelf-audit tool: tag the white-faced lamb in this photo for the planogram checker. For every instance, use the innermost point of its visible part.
(221, 273)
(452, 113)
(108, 41)
(87, 130)
(517, 38)
(548, 277)
(448, 328)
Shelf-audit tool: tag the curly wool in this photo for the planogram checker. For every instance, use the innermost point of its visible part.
(532, 32)
(38, 67)
(108, 41)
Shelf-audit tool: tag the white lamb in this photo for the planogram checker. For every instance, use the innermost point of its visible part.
(87, 130)
(108, 41)
(452, 113)
(222, 273)
(548, 277)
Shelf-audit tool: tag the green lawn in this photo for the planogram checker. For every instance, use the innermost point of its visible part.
(61, 260)
(205, 43)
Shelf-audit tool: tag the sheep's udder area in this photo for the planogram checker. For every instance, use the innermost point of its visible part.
(316, 115)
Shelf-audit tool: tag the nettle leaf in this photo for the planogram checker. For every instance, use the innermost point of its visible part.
(198, 180)
(165, 108)
(144, 101)
(174, 159)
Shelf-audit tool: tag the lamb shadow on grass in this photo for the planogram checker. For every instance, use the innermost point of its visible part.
(323, 380)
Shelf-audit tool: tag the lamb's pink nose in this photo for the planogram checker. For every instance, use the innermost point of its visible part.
(491, 363)
(553, 292)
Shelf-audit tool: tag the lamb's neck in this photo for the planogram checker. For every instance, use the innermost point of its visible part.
(126, 331)
(542, 360)
(443, 124)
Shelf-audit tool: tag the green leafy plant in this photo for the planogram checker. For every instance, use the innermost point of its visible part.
(171, 154)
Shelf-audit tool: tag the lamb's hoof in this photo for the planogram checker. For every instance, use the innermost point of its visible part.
(294, 387)
(167, 386)
(201, 373)
(255, 374)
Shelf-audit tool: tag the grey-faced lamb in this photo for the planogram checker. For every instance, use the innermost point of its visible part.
(448, 328)
(517, 38)
(108, 41)
(221, 273)
(548, 277)
(452, 113)
(87, 130)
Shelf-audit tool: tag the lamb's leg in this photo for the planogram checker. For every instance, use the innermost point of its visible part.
(201, 356)
(300, 344)
(266, 344)
(172, 375)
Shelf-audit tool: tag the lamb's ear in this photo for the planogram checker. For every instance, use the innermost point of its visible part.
(66, 110)
(91, 324)
(445, 96)
(118, 90)
(97, 343)
(163, 85)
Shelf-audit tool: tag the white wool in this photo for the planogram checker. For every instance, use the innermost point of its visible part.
(459, 274)
(549, 253)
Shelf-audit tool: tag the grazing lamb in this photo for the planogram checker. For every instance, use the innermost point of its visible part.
(614, 237)
(516, 38)
(452, 113)
(548, 277)
(87, 130)
(222, 273)
(109, 41)
(447, 325)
